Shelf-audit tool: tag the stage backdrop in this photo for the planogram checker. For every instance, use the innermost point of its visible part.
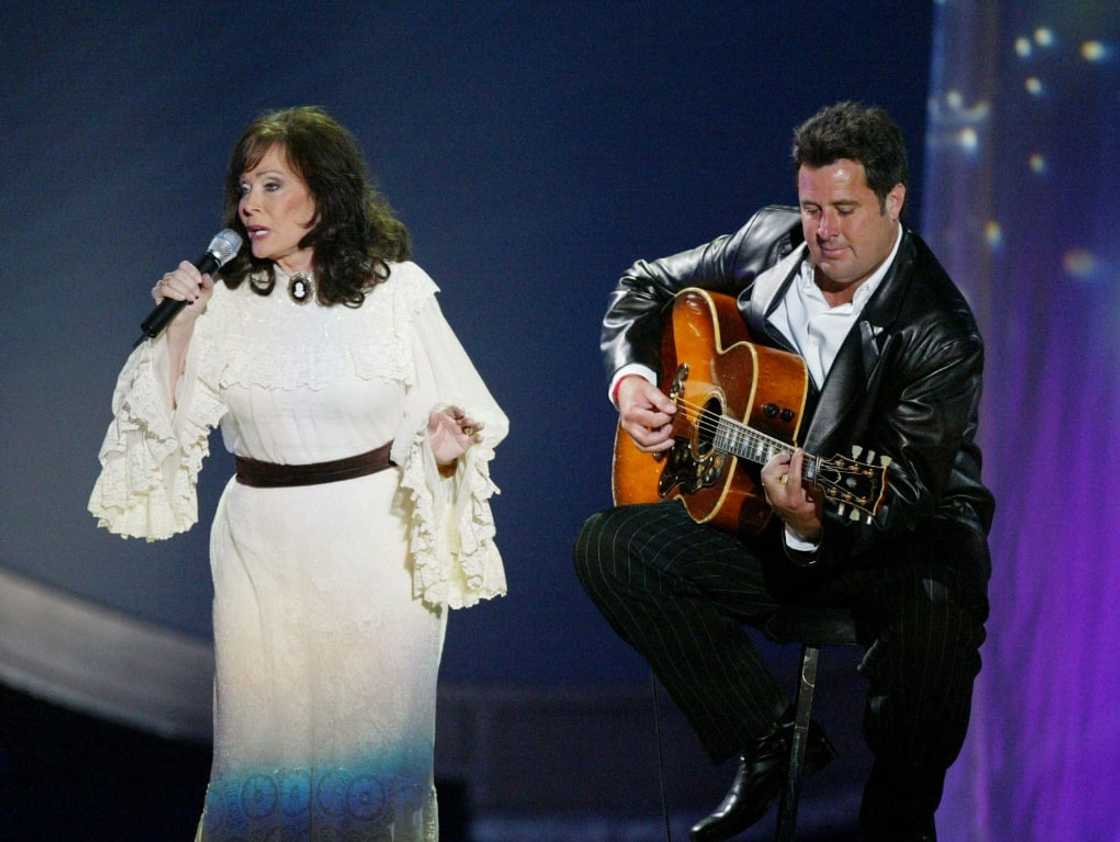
(534, 149)
(1023, 172)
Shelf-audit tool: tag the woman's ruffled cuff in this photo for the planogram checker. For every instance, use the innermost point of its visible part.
(451, 530)
(151, 455)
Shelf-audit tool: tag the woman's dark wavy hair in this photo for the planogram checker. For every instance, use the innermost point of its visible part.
(354, 235)
(859, 133)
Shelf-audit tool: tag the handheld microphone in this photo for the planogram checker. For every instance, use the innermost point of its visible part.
(222, 249)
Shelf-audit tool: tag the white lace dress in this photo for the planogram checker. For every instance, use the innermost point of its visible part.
(330, 600)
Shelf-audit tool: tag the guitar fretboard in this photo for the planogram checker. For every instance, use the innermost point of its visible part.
(745, 442)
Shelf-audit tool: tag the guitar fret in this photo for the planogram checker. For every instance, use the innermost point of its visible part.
(738, 439)
(732, 436)
(719, 440)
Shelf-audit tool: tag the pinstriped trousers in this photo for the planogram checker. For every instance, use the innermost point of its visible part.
(680, 592)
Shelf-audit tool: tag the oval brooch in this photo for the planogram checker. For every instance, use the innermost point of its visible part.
(299, 288)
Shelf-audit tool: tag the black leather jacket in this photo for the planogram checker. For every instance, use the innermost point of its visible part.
(906, 382)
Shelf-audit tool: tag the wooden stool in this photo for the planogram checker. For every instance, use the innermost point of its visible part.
(812, 628)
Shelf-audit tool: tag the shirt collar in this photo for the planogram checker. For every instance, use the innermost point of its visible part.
(806, 277)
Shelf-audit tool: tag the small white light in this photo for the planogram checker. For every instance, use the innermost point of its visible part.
(954, 99)
(1037, 163)
(1033, 85)
(1023, 46)
(993, 234)
(968, 139)
(1044, 36)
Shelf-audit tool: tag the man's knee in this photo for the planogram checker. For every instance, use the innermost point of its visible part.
(587, 550)
(604, 542)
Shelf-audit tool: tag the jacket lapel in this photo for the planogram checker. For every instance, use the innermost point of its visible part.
(765, 294)
(855, 366)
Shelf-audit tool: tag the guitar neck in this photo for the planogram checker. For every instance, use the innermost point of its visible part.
(747, 443)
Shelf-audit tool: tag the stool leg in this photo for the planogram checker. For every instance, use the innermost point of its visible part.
(787, 811)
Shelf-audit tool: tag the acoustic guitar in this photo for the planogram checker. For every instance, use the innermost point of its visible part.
(738, 405)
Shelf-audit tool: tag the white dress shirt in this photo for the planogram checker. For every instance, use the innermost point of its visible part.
(813, 327)
(816, 329)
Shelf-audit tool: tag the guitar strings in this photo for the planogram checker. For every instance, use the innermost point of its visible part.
(709, 421)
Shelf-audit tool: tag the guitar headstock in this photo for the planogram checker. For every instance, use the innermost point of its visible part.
(857, 486)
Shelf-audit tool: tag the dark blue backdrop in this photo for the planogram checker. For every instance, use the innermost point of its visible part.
(534, 149)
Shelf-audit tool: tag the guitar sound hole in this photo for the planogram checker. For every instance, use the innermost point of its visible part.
(707, 425)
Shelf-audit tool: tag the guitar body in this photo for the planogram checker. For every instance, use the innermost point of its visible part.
(724, 374)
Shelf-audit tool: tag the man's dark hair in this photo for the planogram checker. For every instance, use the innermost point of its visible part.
(859, 133)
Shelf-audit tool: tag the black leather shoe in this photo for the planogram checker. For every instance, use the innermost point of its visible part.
(759, 780)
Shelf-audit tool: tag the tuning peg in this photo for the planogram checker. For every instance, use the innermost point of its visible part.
(884, 460)
(870, 457)
(856, 451)
(854, 515)
(867, 520)
(840, 509)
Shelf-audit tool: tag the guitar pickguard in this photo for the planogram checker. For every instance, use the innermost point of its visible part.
(692, 463)
(686, 473)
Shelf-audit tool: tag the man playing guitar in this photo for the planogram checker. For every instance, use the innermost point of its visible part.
(894, 362)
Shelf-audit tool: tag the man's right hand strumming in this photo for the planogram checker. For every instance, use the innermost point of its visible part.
(646, 414)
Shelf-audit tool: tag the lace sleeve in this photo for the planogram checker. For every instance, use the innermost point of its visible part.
(454, 557)
(152, 454)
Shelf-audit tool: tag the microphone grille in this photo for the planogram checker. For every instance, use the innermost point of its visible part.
(225, 245)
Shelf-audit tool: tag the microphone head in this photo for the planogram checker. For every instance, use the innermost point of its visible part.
(225, 246)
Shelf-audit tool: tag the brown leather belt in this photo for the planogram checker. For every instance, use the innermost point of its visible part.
(270, 475)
